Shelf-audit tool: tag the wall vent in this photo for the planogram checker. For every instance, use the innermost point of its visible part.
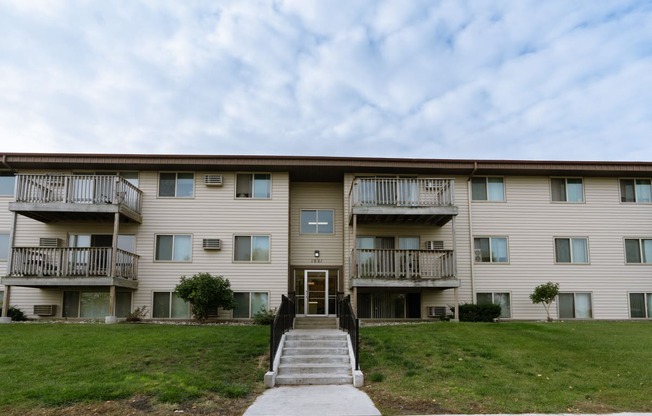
(50, 242)
(45, 310)
(212, 244)
(434, 245)
(213, 180)
(437, 311)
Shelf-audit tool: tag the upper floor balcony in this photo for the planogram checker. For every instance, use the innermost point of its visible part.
(72, 266)
(403, 268)
(51, 198)
(402, 200)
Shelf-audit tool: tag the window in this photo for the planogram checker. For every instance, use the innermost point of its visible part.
(253, 185)
(501, 299)
(567, 189)
(173, 248)
(487, 189)
(247, 304)
(575, 305)
(251, 248)
(640, 305)
(317, 221)
(170, 305)
(491, 250)
(82, 304)
(7, 184)
(571, 250)
(177, 185)
(635, 190)
(638, 250)
(4, 247)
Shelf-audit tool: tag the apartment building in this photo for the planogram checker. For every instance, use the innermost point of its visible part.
(94, 236)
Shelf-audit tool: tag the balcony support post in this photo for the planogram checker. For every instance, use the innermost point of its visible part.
(456, 302)
(114, 244)
(5, 306)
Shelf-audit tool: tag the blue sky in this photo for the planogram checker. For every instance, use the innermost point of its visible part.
(556, 79)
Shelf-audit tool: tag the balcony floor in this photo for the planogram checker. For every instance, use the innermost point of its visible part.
(56, 212)
(403, 215)
(38, 281)
(405, 283)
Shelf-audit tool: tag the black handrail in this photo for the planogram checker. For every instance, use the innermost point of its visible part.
(350, 324)
(283, 322)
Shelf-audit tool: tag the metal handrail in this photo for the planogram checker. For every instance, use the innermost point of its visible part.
(350, 324)
(283, 322)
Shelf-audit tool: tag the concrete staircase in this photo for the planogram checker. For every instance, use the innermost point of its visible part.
(315, 352)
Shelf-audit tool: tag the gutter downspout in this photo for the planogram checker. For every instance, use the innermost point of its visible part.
(470, 212)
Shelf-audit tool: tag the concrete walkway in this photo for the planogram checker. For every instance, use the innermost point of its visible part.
(314, 401)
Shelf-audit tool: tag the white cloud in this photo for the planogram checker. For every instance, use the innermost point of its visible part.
(501, 79)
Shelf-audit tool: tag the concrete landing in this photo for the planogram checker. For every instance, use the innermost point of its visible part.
(314, 401)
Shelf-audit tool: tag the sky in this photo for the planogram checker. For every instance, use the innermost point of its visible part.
(518, 79)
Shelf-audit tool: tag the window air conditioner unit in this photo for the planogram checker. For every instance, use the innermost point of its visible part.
(477, 254)
(213, 180)
(45, 310)
(212, 244)
(437, 311)
(50, 242)
(434, 245)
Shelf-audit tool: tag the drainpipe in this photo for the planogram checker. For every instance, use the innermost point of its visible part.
(4, 162)
(470, 213)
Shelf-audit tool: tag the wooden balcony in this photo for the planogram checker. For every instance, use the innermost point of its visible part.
(403, 268)
(67, 266)
(405, 201)
(51, 198)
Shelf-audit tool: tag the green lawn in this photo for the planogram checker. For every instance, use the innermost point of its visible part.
(52, 365)
(509, 367)
(410, 369)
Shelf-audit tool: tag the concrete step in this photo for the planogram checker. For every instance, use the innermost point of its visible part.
(314, 359)
(302, 322)
(307, 343)
(315, 351)
(315, 334)
(309, 369)
(321, 379)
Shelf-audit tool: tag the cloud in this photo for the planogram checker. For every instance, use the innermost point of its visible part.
(528, 79)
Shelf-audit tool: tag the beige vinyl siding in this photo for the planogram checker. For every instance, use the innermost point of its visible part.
(302, 246)
(214, 212)
(532, 221)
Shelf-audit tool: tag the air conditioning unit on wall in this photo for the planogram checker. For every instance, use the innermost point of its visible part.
(50, 242)
(45, 310)
(434, 245)
(213, 180)
(211, 244)
(437, 311)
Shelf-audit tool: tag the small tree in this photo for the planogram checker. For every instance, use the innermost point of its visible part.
(205, 293)
(545, 294)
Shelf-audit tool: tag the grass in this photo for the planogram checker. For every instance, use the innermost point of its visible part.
(79, 369)
(55, 365)
(591, 367)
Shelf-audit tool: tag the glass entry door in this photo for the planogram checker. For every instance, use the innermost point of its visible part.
(316, 292)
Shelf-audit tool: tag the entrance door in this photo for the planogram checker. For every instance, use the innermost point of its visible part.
(316, 292)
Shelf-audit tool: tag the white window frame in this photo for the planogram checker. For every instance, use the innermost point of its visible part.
(565, 194)
(493, 300)
(251, 250)
(253, 184)
(636, 195)
(13, 187)
(176, 186)
(486, 185)
(648, 311)
(302, 231)
(574, 304)
(572, 253)
(491, 248)
(251, 292)
(174, 238)
(4, 254)
(171, 293)
(641, 252)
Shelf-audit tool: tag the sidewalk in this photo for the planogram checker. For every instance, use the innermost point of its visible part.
(343, 400)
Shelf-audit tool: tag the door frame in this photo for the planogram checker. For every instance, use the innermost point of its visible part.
(306, 290)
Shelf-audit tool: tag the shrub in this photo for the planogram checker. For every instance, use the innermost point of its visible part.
(484, 312)
(137, 315)
(264, 316)
(545, 294)
(16, 314)
(205, 293)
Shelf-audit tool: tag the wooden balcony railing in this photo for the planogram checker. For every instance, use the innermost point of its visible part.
(399, 192)
(78, 189)
(72, 262)
(402, 264)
